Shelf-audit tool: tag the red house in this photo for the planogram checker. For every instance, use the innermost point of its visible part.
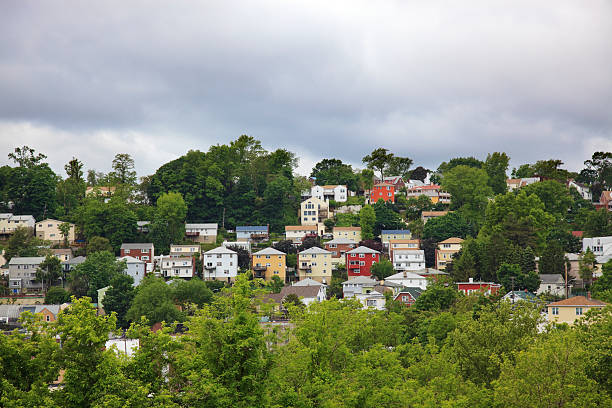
(486, 288)
(382, 191)
(340, 246)
(359, 261)
(408, 296)
(143, 252)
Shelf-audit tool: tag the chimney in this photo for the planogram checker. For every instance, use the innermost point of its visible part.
(471, 280)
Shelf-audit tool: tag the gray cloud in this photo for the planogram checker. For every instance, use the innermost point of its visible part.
(430, 80)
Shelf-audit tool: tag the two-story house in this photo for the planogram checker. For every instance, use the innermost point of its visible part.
(445, 251)
(313, 211)
(297, 233)
(428, 215)
(408, 259)
(336, 192)
(358, 285)
(269, 262)
(134, 268)
(605, 201)
(142, 251)
(571, 309)
(552, 283)
(220, 264)
(583, 190)
(177, 267)
(359, 261)
(49, 231)
(203, 233)
(9, 223)
(408, 279)
(315, 263)
(486, 288)
(600, 246)
(249, 233)
(63, 254)
(517, 183)
(352, 233)
(185, 250)
(387, 235)
(408, 296)
(382, 191)
(22, 274)
(403, 245)
(338, 248)
(432, 191)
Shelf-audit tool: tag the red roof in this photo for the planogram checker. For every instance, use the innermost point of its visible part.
(578, 301)
(578, 234)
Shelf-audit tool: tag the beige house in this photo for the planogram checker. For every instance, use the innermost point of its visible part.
(315, 263)
(572, 309)
(445, 251)
(203, 233)
(428, 215)
(269, 262)
(313, 211)
(63, 254)
(402, 245)
(184, 250)
(387, 235)
(49, 231)
(297, 233)
(352, 233)
(9, 223)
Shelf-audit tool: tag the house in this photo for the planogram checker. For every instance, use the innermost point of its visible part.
(315, 263)
(9, 223)
(514, 184)
(143, 226)
(486, 288)
(352, 233)
(297, 233)
(49, 231)
(177, 267)
(203, 233)
(402, 244)
(22, 274)
(248, 233)
(359, 261)
(396, 181)
(307, 293)
(408, 279)
(9, 314)
(408, 259)
(70, 264)
(382, 191)
(600, 246)
(49, 312)
(142, 251)
(552, 283)
(106, 192)
(387, 235)
(413, 183)
(358, 285)
(428, 215)
(313, 211)
(269, 262)
(571, 309)
(220, 264)
(583, 190)
(375, 299)
(184, 250)
(246, 245)
(408, 295)
(605, 201)
(336, 192)
(445, 251)
(338, 248)
(135, 268)
(432, 191)
(519, 295)
(63, 254)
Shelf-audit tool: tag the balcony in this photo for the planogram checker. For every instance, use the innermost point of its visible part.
(209, 266)
(192, 233)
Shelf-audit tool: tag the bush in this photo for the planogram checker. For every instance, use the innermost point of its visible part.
(57, 296)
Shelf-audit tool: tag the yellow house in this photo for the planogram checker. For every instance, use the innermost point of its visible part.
(184, 250)
(49, 230)
(352, 233)
(402, 245)
(445, 251)
(313, 211)
(315, 263)
(269, 262)
(569, 310)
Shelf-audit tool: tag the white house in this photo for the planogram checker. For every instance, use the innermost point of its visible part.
(177, 267)
(600, 246)
(585, 191)
(357, 285)
(135, 268)
(334, 192)
(184, 250)
(408, 279)
(552, 283)
(307, 293)
(9, 222)
(220, 264)
(297, 233)
(246, 245)
(408, 259)
(205, 233)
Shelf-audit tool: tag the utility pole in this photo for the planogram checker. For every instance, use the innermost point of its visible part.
(223, 221)
(512, 280)
(566, 294)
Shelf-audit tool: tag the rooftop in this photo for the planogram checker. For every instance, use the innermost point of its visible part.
(452, 240)
(269, 251)
(395, 231)
(579, 301)
(247, 228)
(362, 250)
(315, 250)
(361, 280)
(301, 228)
(220, 250)
(26, 260)
(137, 246)
(307, 282)
(341, 241)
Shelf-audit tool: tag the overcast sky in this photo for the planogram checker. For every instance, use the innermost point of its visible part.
(430, 80)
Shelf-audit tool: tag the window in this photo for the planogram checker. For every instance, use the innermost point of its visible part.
(218, 256)
(144, 258)
(578, 311)
(144, 251)
(361, 263)
(219, 263)
(362, 255)
(226, 271)
(48, 318)
(267, 256)
(371, 303)
(555, 311)
(127, 251)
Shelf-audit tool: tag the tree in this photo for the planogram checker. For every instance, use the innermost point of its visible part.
(379, 160)
(400, 166)
(118, 298)
(22, 243)
(366, 179)
(554, 195)
(25, 157)
(460, 161)
(65, 228)
(309, 242)
(386, 218)
(367, 220)
(74, 169)
(549, 169)
(469, 191)
(586, 265)
(56, 296)
(49, 271)
(383, 269)
(96, 272)
(437, 297)
(598, 223)
(604, 282)
(153, 300)
(523, 171)
(193, 291)
(244, 257)
(98, 244)
(276, 284)
(123, 169)
(450, 225)
(334, 171)
(513, 278)
(285, 245)
(553, 259)
(496, 166)
(419, 173)
(168, 225)
(292, 300)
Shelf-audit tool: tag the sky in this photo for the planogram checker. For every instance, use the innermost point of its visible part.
(429, 80)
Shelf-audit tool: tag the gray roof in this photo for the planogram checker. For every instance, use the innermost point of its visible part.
(315, 250)
(220, 250)
(361, 279)
(414, 292)
(142, 223)
(301, 291)
(27, 260)
(341, 241)
(10, 311)
(130, 259)
(362, 250)
(269, 251)
(203, 226)
(55, 309)
(136, 246)
(252, 228)
(404, 275)
(76, 260)
(307, 282)
(551, 278)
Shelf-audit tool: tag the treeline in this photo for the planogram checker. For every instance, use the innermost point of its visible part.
(447, 350)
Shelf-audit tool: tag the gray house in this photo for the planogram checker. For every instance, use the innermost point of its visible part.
(22, 273)
(552, 283)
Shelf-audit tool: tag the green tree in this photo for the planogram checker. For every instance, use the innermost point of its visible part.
(96, 272)
(123, 170)
(598, 223)
(604, 282)
(49, 271)
(383, 269)
(554, 195)
(386, 218)
(168, 225)
(523, 171)
(379, 160)
(154, 301)
(276, 284)
(22, 243)
(400, 166)
(98, 244)
(552, 259)
(419, 173)
(549, 169)
(114, 220)
(64, 228)
(118, 298)
(469, 191)
(496, 166)
(334, 171)
(437, 297)
(450, 225)
(244, 257)
(32, 190)
(586, 265)
(194, 291)
(25, 157)
(367, 220)
(460, 161)
(366, 179)
(56, 296)
(522, 280)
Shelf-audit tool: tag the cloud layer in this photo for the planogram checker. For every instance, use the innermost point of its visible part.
(429, 80)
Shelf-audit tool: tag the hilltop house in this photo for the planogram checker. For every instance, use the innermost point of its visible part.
(49, 231)
(142, 251)
(9, 223)
(408, 279)
(177, 267)
(408, 259)
(297, 233)
(248, 233)
(313, 211)
(552, 283)
(432, 191)
(428, 215)
(22, 274)
(445, 251)
(402, 244)
(486, 288)
(336, 192)
(387, 235)
(135, 268)
(382, 191)
(184, 250)
(352, 233)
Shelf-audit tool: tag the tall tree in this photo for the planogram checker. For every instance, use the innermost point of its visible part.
(168, 225)
(419, 173)
(496, 166)
(586, 266)
(123, 169)
(381, 160)
(118, 298)
(154, 301)
(470, 191)
(367, 220)
(96, 272)
(400, 166)
(49, 271)
(334, 171)
(25, 157)
(460, 161)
